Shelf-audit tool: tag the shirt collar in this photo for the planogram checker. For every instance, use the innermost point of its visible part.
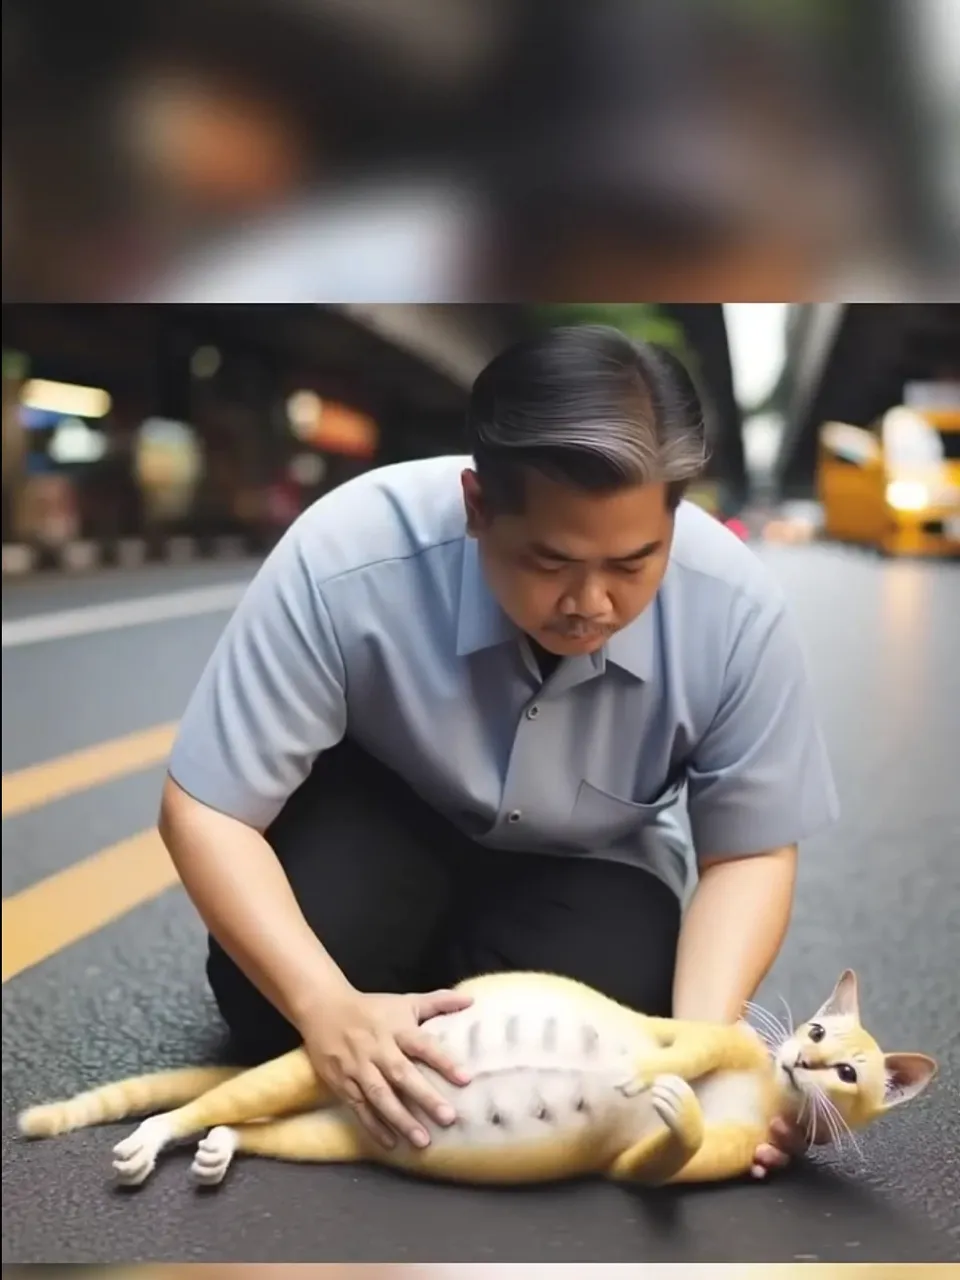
(482, 624)
(634, 648)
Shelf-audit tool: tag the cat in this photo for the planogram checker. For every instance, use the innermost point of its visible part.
(565, 1083)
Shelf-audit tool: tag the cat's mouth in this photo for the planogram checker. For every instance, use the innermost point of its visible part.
(790, 1070)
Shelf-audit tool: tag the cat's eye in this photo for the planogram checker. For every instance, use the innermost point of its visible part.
(816, 1032)
(846, 1073)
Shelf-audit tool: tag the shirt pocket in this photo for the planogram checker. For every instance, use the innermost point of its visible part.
(600, 817)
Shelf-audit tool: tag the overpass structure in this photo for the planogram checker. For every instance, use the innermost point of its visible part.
(849, 362)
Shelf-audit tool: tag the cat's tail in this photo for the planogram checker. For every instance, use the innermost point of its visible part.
(140, 1095)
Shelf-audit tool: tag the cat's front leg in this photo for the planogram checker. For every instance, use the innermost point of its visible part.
(692, 1050)
(659, 1156)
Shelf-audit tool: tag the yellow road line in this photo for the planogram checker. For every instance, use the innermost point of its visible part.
(40, 783)
(68, 906)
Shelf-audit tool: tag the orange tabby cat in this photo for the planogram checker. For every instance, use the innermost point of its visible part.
(565, 1083)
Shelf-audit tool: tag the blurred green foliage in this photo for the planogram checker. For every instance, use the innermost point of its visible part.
(643, 321)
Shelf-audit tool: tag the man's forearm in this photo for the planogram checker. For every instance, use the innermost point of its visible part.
(731, 934)
(244, 898)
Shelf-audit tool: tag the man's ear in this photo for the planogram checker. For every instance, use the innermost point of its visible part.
(473, 502)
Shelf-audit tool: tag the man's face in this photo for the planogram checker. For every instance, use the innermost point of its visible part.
(573, 567)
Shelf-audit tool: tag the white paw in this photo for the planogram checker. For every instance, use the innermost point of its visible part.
(669, 1096)
(633, 1085)
(214, 1155)
(135, 1158)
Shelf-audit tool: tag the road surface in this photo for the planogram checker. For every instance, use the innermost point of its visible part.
(103, 957)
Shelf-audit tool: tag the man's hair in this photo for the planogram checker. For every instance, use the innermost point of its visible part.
(587, 407)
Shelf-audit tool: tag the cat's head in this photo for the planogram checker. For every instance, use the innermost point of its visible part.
(832, 1056)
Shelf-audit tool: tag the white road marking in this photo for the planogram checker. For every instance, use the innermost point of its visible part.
(116, 615)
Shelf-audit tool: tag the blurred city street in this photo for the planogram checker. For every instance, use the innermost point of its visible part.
(103, 956)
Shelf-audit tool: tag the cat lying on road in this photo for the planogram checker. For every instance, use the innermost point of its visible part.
(565, 1083)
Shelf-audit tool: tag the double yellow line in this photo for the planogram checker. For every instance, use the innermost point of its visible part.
(76, 902)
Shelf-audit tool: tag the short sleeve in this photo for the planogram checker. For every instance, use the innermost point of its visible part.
(272, 696)
(760, 777)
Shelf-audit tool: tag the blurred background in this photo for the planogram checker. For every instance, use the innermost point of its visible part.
(470, 150)
(184, 431)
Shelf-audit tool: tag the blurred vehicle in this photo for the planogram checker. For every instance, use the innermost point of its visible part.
(895, 486)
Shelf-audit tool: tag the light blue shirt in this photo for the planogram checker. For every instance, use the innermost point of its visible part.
(372, 617)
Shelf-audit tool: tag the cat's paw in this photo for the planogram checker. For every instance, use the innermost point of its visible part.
(214, 1156)
(638, 1081)
(135, 1158)
(671, 1097)
(678, 1107)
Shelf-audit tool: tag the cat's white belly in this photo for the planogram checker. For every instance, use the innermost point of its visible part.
(545, 1067)
(732, 1097)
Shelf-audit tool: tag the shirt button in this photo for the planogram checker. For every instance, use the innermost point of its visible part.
(514, 815)
(533, 712)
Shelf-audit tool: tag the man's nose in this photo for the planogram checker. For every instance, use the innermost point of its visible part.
(589, 601)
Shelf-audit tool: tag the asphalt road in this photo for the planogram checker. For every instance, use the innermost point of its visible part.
(881, 893)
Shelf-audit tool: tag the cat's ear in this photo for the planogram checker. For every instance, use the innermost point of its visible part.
(908, 1074)
(843, 1001)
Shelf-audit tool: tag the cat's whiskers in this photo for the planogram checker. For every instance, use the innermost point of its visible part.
(770, 1027)
(809, 1106)
(789, 1012)
(824, 1116)
(838, 1126)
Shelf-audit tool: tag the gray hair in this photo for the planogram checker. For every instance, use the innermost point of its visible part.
(587, 407)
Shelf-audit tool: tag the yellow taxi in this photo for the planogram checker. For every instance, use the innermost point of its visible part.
(895, 486)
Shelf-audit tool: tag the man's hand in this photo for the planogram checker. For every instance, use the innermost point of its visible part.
(786, 1140)
(364, 1047)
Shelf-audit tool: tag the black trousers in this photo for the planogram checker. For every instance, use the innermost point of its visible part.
(404, 902)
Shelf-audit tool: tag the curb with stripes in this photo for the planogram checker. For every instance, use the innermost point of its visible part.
(22, 559)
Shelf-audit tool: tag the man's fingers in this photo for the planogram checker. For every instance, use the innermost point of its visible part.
(353, 1096)
(787, 1137)
(767, 1156)
(434, 1002)
(426, 1050)
(387, 1106)
(368, 1118)
(414, 1087)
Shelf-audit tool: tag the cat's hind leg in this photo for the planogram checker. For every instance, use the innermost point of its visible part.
(122, 1099)
(279, 1087)
(317, 1137)
(727, 1152)
(658, 1157)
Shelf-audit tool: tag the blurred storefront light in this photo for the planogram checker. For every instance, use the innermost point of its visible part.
(304, 409)
(67, 398)
(74, 441)
(205, 362)
(308, 469)
(168, 465)
(332, 426)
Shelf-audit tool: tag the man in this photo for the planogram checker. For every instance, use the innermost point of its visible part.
(446, 726)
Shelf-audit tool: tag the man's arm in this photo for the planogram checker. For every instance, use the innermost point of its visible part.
(759, 784)
(270, 699)
(244, 898)
(732, 932)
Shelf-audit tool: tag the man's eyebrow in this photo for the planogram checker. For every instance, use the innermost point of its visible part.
(551, 553)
